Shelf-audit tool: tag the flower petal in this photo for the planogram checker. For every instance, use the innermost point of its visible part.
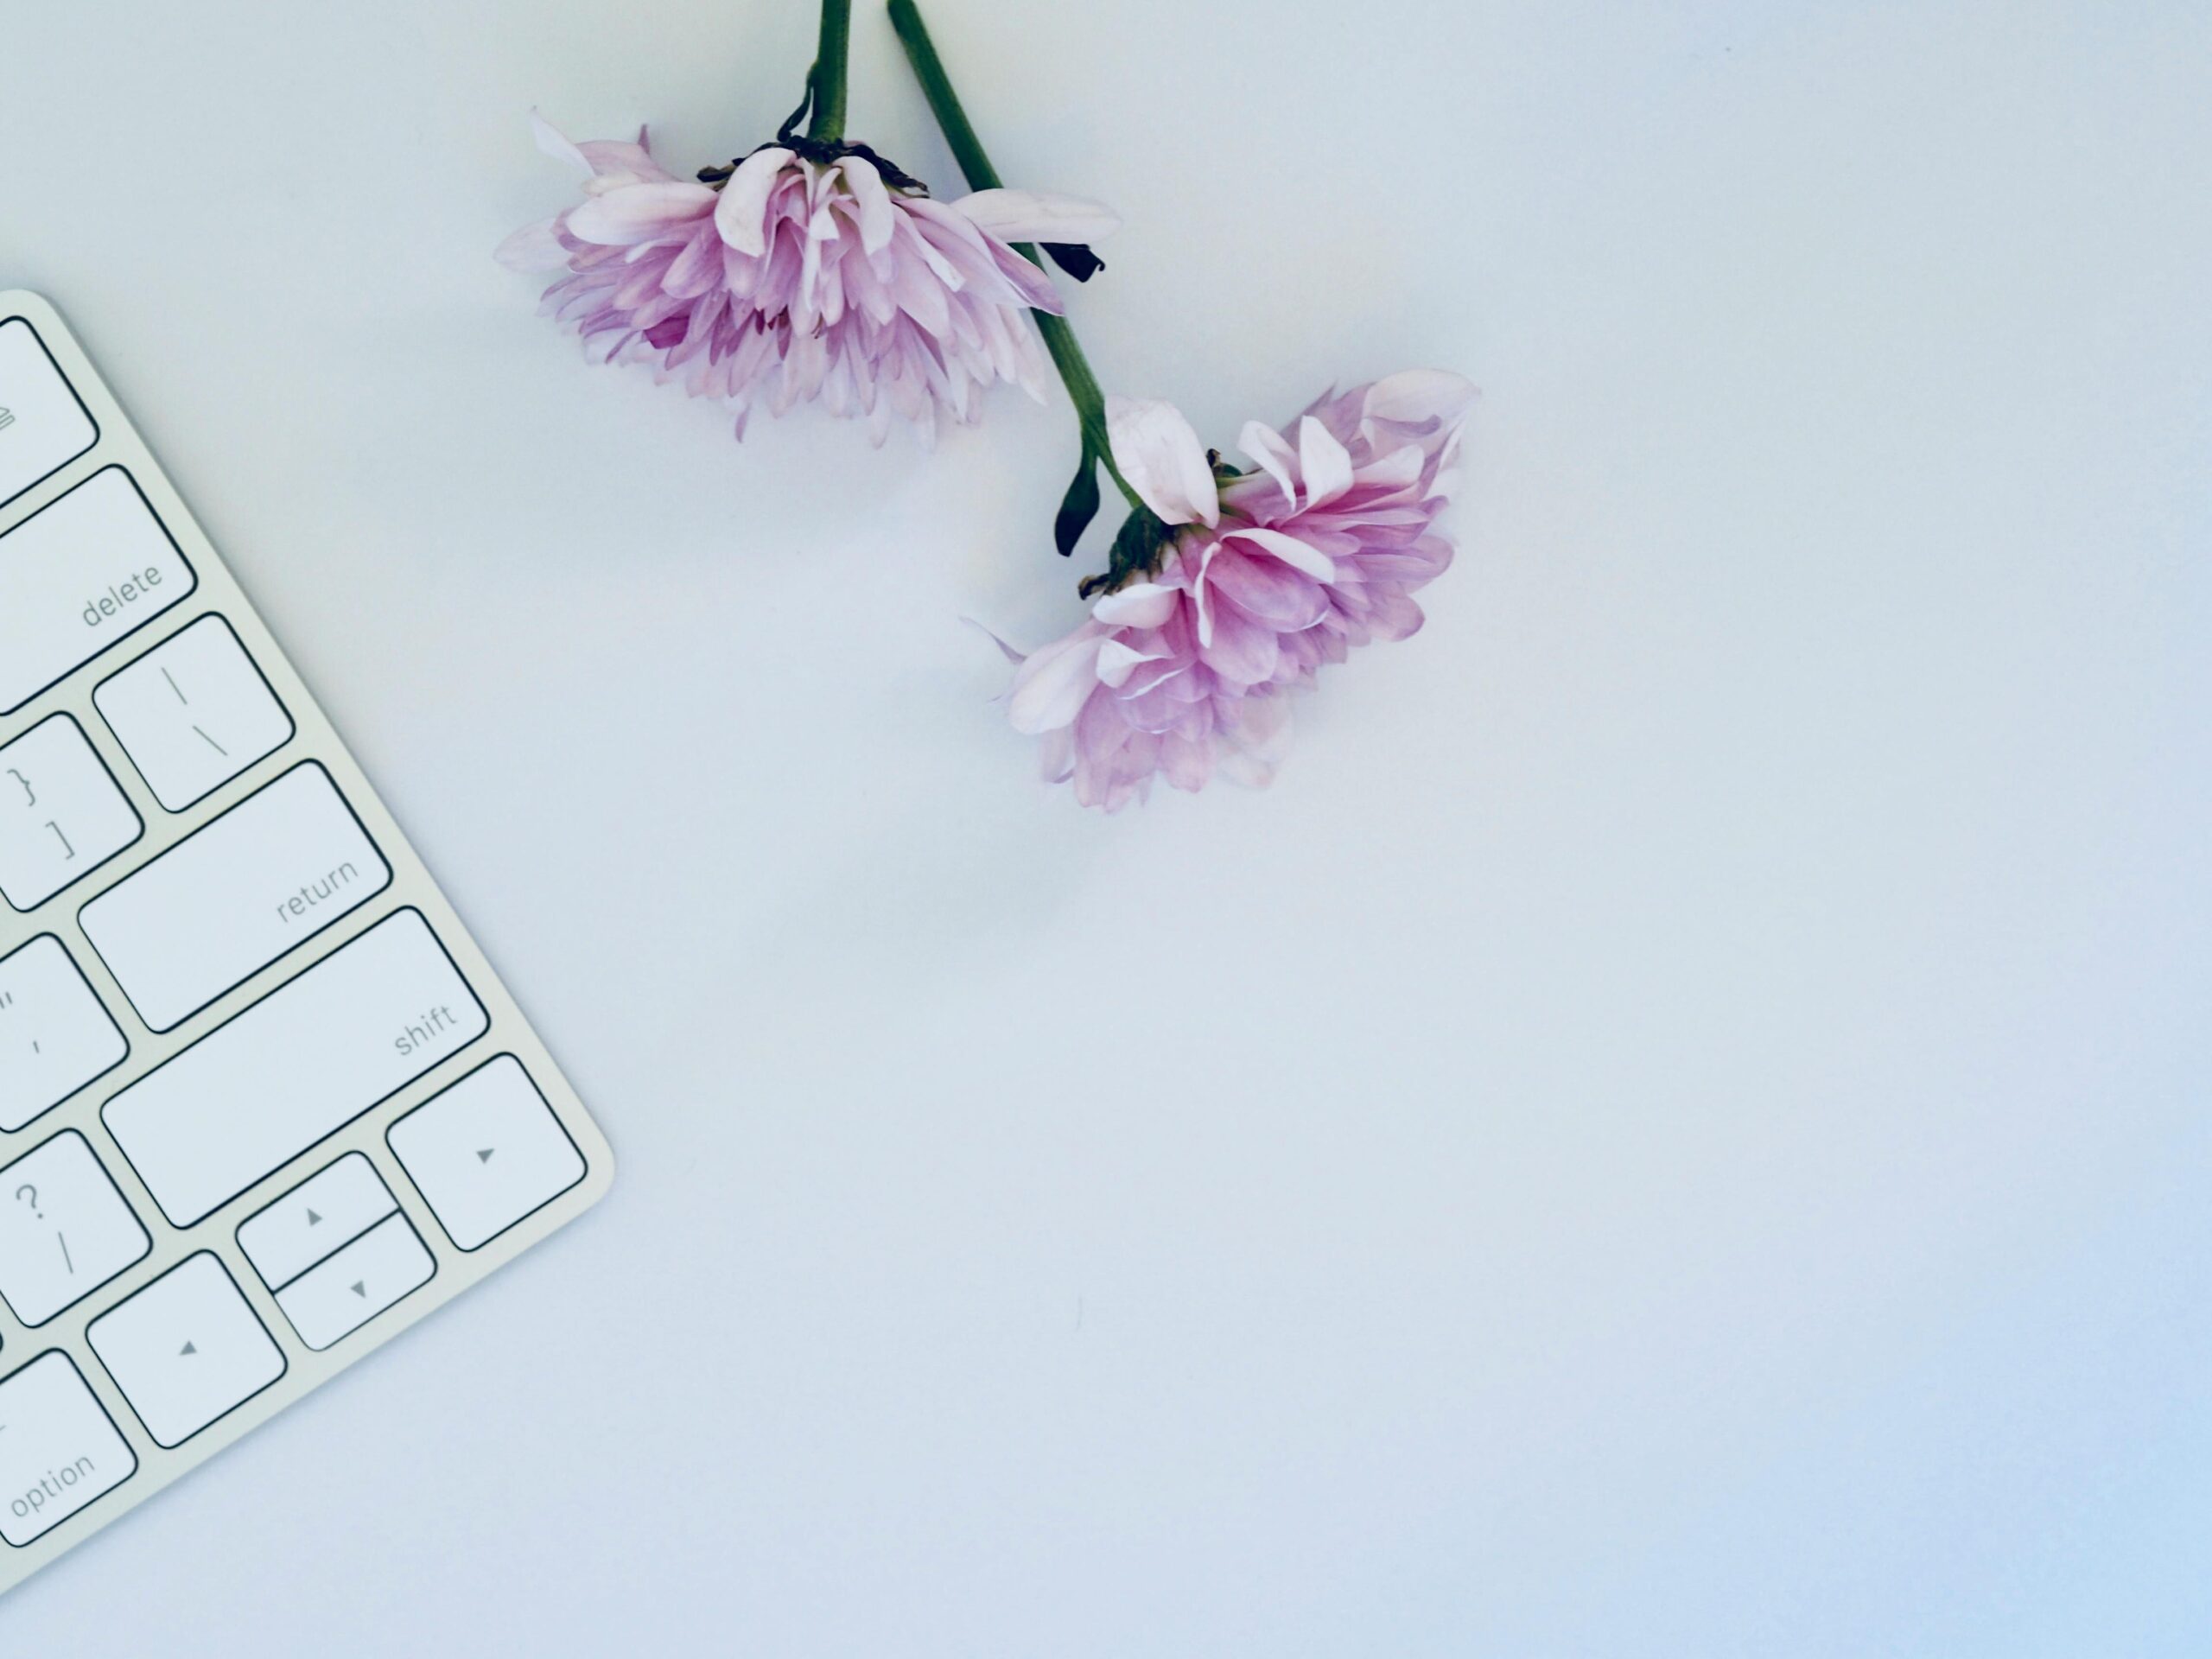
(1297, 555)
(555, 142)
(1004, 650)
(741, 215)
(1159, 452)
(1252, 749)
(1140, 605)
(1268, 591)
(1051, 686)
(1039, 216)
(1243, 650)
(1118, 661)
(1419, 395)
(877, 218)
(1187, 762)
(1265, 445)
(1398, 470)
(534, 247)
(609, 163)
(636, 212)
(1326, 463)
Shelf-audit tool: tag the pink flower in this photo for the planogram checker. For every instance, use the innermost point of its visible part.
(834, 277)
(1268, 574)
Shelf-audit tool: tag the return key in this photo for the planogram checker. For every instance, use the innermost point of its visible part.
(225, 902)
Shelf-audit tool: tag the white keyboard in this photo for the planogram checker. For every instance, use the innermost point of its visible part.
(262, 1103)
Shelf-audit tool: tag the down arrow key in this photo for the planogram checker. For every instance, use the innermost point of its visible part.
(336, 1298)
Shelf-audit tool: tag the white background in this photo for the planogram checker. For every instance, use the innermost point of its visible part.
(1678, 1127)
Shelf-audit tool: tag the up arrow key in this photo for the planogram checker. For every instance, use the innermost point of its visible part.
(186, 1349)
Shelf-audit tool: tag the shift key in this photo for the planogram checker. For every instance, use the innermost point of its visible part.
(304, 1061)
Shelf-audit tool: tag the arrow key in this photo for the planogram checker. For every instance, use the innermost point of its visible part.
(345, 1293)
(186, 1350)
(488, 1152)
(315, 1220)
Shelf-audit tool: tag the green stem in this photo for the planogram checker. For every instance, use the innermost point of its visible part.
(826, 81)
(975, 167)
(1083, 392)
(945, 103)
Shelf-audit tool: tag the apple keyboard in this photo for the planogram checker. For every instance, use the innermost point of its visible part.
(262, 1103)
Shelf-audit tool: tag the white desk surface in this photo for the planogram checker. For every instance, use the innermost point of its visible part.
(1678, 1128)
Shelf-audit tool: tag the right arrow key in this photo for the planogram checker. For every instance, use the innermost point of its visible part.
(487, 1152)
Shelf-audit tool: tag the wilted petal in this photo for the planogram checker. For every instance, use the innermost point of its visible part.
(1276, 458)
(1153, 673)
(1118, 661)
(1049, 689)
(555, 142)
(1252, 749)
(534, 247)
(1056, 755)
(1401, 467)
(1140, 605)
(1004, 650)
(1300, 556)
(1187, 762)
(741, 214)
(1416, 396)
(1159, 452)
(1039, 216)
(637, 211)
(1326, 463)
(877, 218)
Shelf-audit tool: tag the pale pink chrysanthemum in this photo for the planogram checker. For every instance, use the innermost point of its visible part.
(826, 275)
(1266, 576)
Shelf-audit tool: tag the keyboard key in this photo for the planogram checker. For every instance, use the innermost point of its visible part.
(186, 1349)
(77, 577)
(43, 426)
(487, 1152)
(311, 1056)
(55, 1036)
(61, 816)
(224, 977)
(65, 1231)
(229, 899)
(59, 1449)
(193, 712)
(316, 1218)
(344, 1294)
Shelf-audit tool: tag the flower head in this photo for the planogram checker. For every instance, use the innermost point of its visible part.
(806, 271)
(1259, 578)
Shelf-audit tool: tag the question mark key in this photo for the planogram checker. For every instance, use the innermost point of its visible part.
(65, 1229)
